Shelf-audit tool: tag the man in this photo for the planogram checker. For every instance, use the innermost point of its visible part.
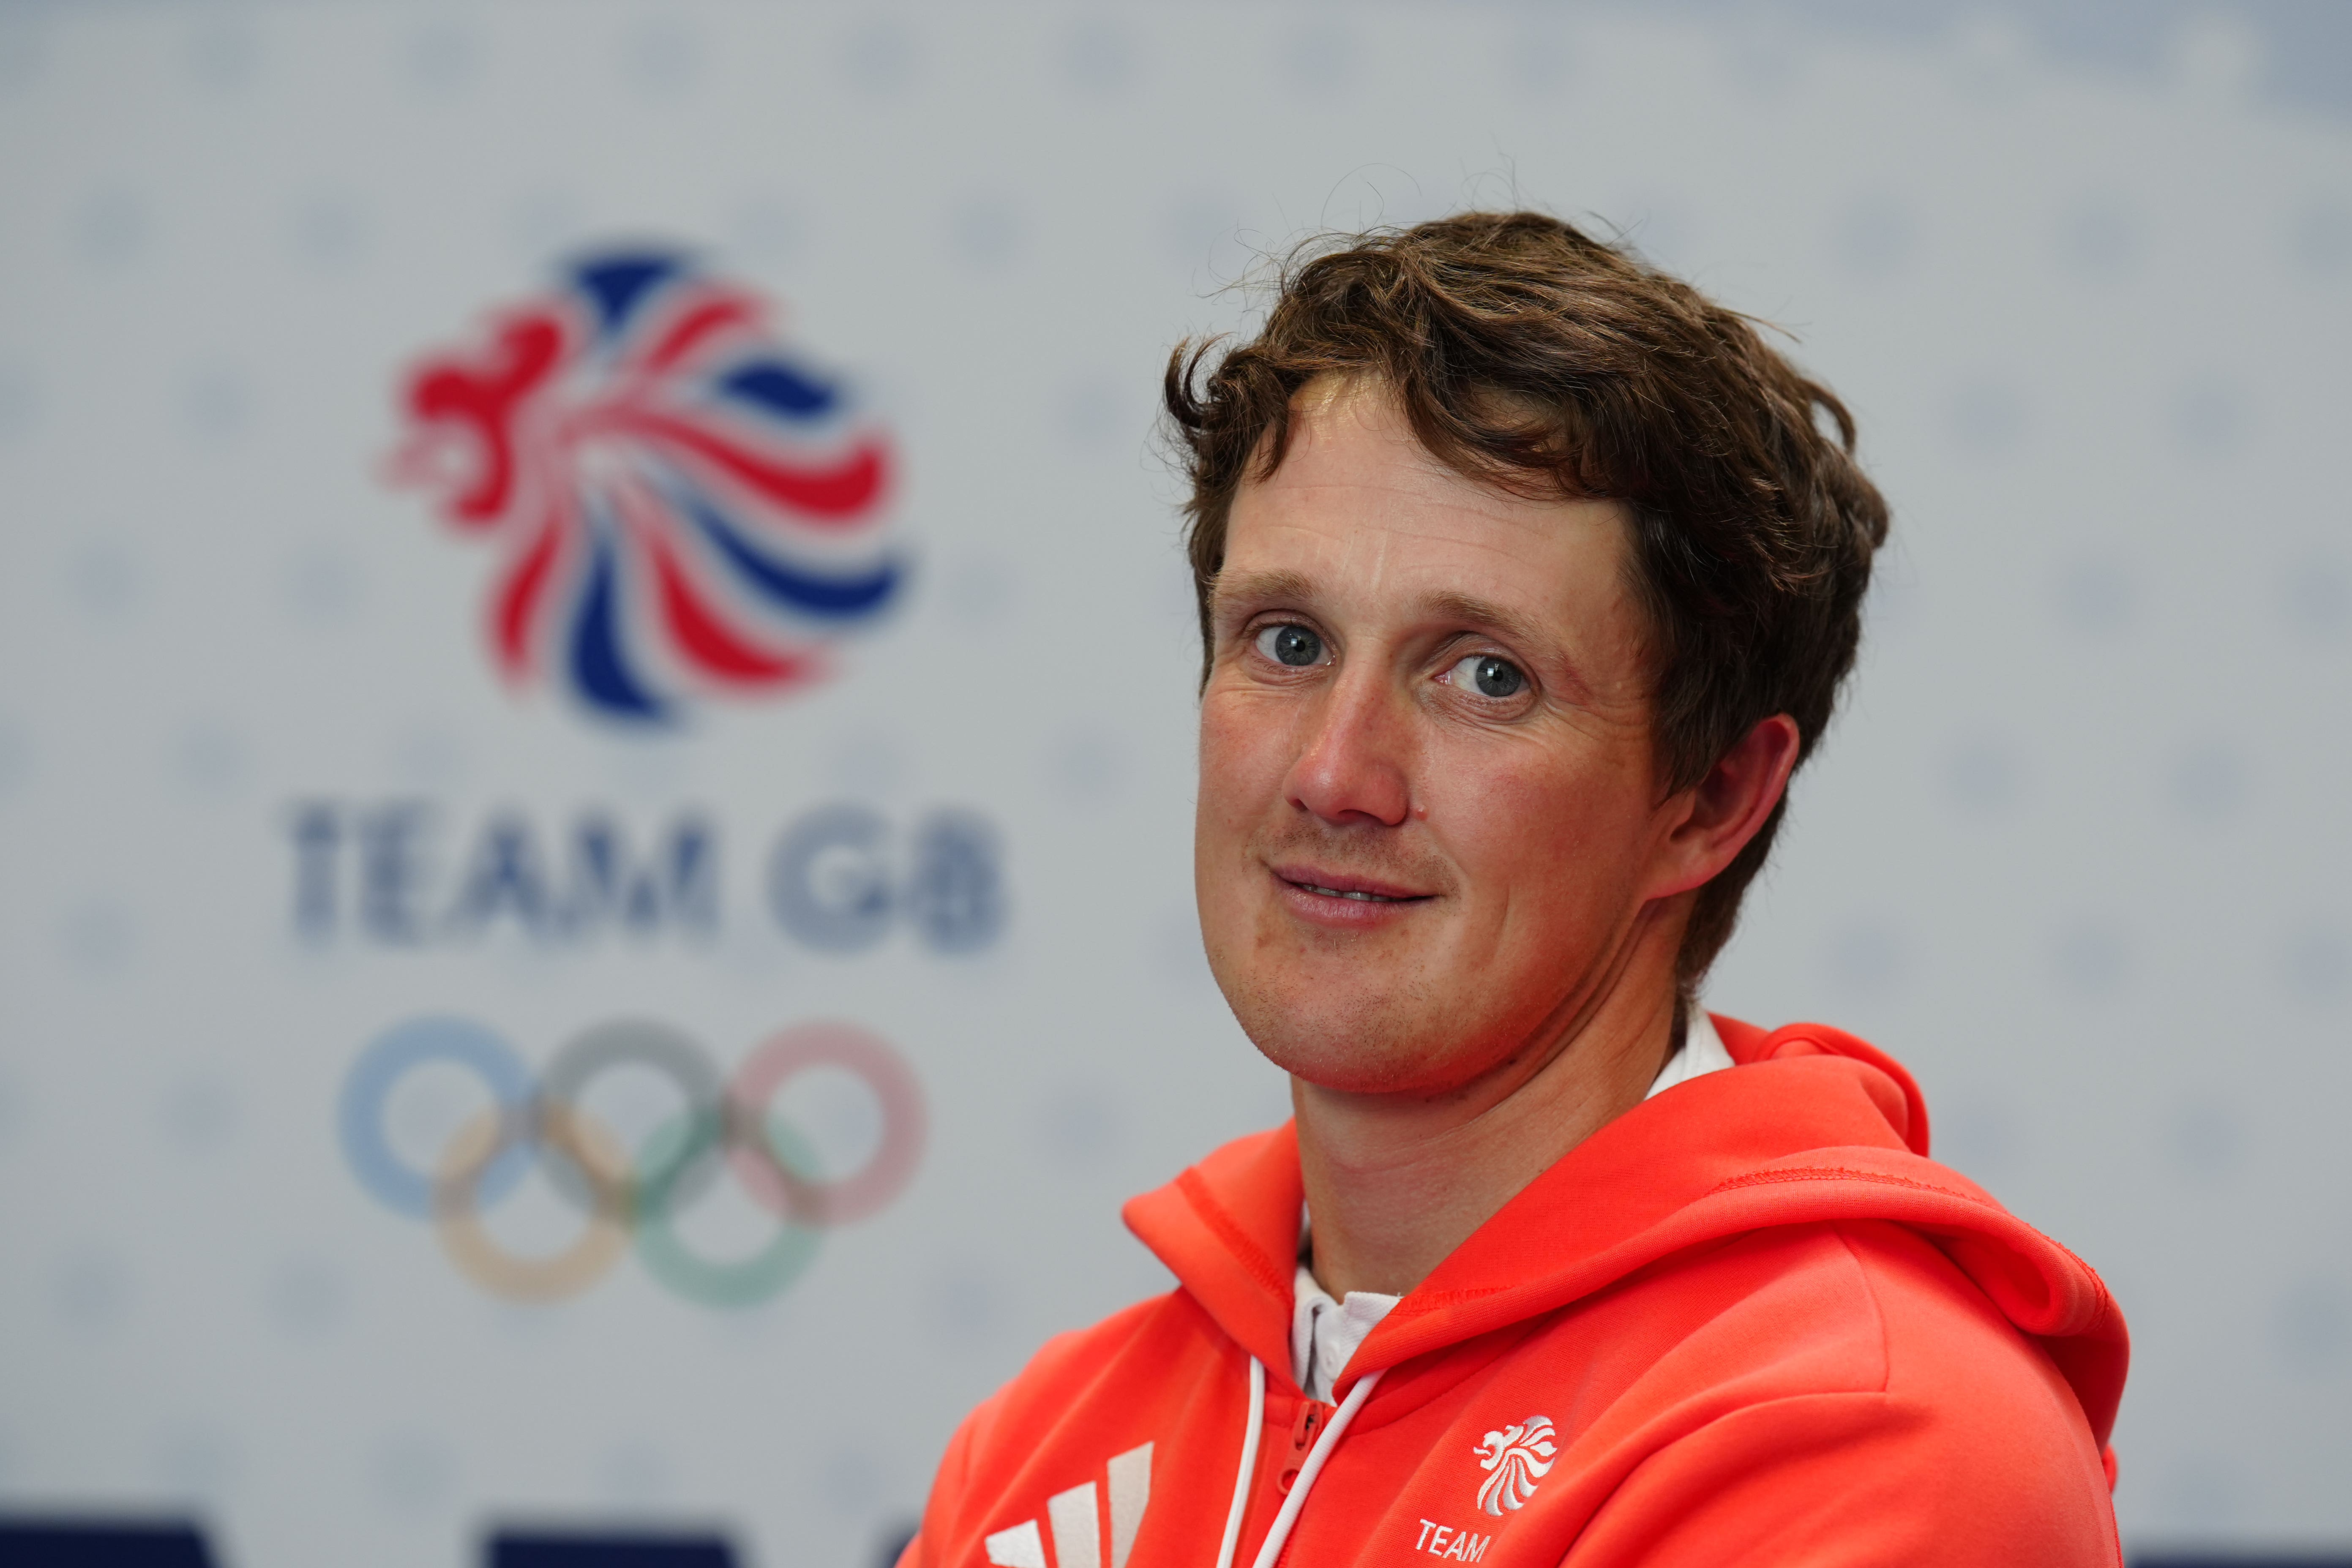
(1527, 577)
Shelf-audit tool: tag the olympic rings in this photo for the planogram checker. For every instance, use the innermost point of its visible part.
(739, 1284)
(368, 1092)
(468, 1241)
(842, 1046)
(724, 1124)
(625, 1043)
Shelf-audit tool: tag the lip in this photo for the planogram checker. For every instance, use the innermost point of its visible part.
(1302, 876)
(1342, 898)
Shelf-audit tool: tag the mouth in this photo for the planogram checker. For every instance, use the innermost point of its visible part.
(1350, 893)
(1321, 883)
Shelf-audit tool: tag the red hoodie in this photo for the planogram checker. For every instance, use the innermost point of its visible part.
(1748, 1322)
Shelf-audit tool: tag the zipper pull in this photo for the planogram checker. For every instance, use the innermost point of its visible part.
(1305, 1427)
(1312, 1415)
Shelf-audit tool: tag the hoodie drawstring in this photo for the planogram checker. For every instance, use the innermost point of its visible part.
(1249, 1464)
(1275, 1538)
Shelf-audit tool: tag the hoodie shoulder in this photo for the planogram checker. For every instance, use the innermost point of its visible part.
(1880, 1407)
(1084, 1393)
(1979, 1384)
(1069, 1365)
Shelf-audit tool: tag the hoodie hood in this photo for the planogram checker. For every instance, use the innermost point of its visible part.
(1811, 1125)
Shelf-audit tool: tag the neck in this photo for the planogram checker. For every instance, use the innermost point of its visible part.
(1396, 1181)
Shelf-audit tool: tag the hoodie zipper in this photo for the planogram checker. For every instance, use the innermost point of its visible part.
(1319, 1435)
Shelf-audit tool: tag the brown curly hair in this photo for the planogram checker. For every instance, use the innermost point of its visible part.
(1532, 356)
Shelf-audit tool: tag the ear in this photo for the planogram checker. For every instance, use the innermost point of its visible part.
(1709, 823)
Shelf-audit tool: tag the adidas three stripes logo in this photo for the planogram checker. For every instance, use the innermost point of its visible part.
(1076, 1520)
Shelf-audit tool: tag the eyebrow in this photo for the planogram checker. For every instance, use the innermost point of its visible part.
(1261, 585)
(1509, 625)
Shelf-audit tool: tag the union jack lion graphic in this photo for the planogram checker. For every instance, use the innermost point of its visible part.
(687, 505)
(1514, 1458)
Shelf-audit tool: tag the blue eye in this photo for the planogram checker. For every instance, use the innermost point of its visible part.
(1291, 644)
(1487, 676)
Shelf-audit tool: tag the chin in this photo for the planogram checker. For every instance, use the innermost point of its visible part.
(1372, 1043)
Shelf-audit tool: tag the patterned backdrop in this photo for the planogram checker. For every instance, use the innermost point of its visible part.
(614, 551)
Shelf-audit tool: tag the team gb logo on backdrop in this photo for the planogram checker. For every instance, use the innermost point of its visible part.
(682, 505)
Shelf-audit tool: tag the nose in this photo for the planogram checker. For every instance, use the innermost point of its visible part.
(1354, 762)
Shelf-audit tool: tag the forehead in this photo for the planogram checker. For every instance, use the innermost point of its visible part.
(1361, 510)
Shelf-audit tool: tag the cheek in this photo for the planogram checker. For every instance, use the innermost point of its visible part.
(1243, 760)
(1551, 834)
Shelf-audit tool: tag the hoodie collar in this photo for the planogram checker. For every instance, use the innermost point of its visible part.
(1816, 1125)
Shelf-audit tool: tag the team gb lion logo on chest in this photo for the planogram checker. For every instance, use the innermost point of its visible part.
(1515, 1459)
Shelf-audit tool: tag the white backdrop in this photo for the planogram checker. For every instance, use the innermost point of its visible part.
(2077, 851)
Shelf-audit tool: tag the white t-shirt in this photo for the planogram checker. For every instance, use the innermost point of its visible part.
(1324, 1333)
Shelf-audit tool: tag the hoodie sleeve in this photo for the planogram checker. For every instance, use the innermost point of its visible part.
(977, 1447)
(1845, 1479)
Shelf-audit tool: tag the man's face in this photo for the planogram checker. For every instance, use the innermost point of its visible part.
(1429, 817)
